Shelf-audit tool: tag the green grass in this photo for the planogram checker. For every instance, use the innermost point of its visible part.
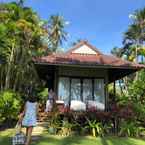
(45, 139)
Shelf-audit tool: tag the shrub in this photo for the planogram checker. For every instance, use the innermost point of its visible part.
(43, 95)
(139, 110)
(10, 105)
(95, 127)
(130, 128)
(54, 120)
(67, 127)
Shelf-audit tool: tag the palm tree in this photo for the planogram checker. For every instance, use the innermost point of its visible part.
(117, 51)
(136, 31)
(139, 18)
(21, 3)
(133, 36)
(56, 33)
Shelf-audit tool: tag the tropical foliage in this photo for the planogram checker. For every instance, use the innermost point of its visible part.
(23, 36)
(131, 128)
(96, 128)
(134, 38)
(56, 33)
(132, 89)
(20, 39)
(9, 105)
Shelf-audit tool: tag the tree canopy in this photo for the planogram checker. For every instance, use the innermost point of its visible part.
(22, 35)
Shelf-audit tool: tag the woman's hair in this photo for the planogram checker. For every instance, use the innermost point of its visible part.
(32, 97)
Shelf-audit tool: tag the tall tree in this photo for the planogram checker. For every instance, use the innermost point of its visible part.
(21, 34)
(133, 36)
(136, 32)
(56, 32)
(117, 51)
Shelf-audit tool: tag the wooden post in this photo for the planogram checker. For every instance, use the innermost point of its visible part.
(114, 89)
(113, 99)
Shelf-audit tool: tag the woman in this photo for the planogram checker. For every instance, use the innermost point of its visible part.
(28, 117)
(50, 101)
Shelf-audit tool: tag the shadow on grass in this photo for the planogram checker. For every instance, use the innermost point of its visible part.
(74, 140)
(123, 141)
(120, 141)
(104, 141)
(53, 140)
(5, 140)
(71, 141)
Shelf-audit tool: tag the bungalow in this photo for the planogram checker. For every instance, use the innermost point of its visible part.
(82, 75)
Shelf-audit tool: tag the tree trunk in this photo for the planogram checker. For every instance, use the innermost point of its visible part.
(9, 67)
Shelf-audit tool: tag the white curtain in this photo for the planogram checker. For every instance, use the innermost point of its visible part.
(99, 91)
(87, 86)
(75, 89)
(87, 90)
(63, 89)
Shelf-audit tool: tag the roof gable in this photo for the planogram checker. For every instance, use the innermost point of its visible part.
(83, 47)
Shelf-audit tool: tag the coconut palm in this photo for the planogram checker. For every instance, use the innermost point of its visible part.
(57, 35)
(21, 3)
(136, 32)
(117, 51)
(134, 37)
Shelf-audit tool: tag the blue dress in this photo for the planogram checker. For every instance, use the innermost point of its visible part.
(30, 117)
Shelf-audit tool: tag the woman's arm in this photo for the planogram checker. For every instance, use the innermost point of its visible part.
(22, 114)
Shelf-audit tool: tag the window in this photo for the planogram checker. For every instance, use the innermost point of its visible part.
(75, 89)
(81, 89)
(87, 89)
(99, 96)
(63, 89)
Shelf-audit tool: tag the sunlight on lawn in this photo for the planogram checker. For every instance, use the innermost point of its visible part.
(51, 140)
(45, 139)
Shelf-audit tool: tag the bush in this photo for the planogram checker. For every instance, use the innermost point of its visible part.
(10, 105)
(130, 129)
(139, 110)
(95, 127)
(43, 95)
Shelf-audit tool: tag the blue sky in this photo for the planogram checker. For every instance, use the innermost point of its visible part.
(101, 22)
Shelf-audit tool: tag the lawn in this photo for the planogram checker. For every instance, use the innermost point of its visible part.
(45, 139)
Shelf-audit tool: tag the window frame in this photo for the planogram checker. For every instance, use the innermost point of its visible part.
(81, 82)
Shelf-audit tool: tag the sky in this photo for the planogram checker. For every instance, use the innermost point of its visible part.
(101, 22)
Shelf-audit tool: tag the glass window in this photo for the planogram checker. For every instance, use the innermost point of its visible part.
(75, 89)
(87, 90)
(63, 89)
(99, 96)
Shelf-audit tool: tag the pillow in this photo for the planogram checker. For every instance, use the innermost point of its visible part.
(77, 105)
(96, 105)
(59, 102)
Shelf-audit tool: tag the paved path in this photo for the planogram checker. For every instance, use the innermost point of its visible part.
(38, 130)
